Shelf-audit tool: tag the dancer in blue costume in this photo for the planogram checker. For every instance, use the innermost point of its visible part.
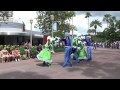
(94, 46)
(89, 50)
(68, 51)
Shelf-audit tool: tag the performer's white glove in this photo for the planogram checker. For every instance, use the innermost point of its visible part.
(52, 51)
(78, 48)
(74, 46)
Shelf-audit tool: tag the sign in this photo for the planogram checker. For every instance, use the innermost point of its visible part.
(54, 27)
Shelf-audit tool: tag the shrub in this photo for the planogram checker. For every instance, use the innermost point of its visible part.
(22, 52)
(33, 52)
(1, 47)
(0, 59)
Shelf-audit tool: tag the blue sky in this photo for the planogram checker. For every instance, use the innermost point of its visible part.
(79, 20)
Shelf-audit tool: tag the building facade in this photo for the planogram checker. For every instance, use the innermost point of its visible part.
(15, 33)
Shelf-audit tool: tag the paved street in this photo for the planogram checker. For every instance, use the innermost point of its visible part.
(105, 65)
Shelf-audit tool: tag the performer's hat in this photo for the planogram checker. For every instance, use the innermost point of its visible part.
(75, 37)
(49, 40)
(88, 36)
(79, 42)
(67, 34)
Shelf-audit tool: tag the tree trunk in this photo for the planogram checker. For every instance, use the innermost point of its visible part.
(88, 24)
(107, 24)
(72, 33)
(95, 35)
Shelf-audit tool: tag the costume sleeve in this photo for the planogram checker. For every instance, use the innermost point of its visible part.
(63, 40)
(76, 42)
(46, 45)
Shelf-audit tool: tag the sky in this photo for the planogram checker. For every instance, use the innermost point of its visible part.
(79, 20)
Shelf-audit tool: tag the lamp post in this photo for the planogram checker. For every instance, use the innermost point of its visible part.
(72, 32)
(31, 21)
(52, 18)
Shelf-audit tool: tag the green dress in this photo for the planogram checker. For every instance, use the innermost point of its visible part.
(45, 54)
(82, 54)
(75, 41)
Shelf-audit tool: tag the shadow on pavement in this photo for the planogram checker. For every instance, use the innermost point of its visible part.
(23, 75)
(41, 65)
(105, 65)
(98, 70)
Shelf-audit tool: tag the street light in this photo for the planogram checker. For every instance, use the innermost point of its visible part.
(72, 32)
(52, 18)
(31, 21)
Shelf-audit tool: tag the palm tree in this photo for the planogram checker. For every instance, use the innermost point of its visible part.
(112, 21)
(94, 24)
(87, 15)
(91, 31)
(107, 18)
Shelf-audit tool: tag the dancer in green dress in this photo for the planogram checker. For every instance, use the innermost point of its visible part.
(82, 54)
(45, 54)
(74, 49)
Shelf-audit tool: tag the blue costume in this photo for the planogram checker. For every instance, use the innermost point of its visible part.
(68, 51)
(94, 46)
(74, 51)
(89, 50)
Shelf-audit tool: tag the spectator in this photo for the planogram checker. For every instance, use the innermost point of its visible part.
(39, 48)
(94, 46)
(27, 49)
(5, 55)
(11, 57)
(117, 45)
(16, 54)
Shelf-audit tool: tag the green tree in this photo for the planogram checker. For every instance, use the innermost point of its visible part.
(106, 19)
(44, 21)
(4, 15)
(112, 22)
(94, 24)
(91, 31)
(87, 15)
(118, 24)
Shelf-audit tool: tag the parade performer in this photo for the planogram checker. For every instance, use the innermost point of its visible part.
(74, 49)
(45, 54)
(89, 50)
(82, 54)
(68, 51)
(94, 46)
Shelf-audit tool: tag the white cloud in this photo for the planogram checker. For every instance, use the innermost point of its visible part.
(25, 16)
(82, 23)
(79, 21)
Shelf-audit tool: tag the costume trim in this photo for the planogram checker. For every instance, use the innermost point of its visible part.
(41, 59)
